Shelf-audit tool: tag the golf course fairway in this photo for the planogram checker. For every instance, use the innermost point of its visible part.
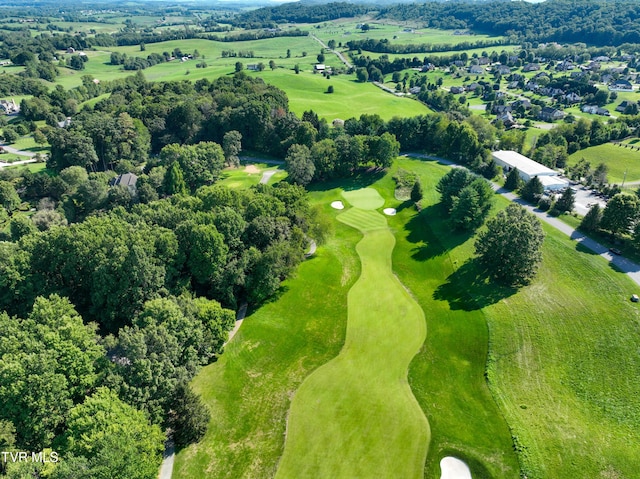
(355, 416)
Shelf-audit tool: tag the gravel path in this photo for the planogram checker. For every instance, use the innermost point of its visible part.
(266, 176)
(623, 264)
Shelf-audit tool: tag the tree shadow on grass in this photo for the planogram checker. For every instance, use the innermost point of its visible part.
(469, 288)
(361, 179)
(432, 234)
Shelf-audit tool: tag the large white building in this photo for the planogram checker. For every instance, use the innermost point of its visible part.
(528, 168)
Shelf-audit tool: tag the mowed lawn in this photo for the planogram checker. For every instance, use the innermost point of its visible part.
(617, 158)
(563, 359)
(356, 416)
(249, 390)
(308, 91)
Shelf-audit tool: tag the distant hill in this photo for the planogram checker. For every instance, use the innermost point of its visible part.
(599, 22)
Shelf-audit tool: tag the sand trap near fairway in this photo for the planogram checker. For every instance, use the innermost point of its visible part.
(251, 169)
(453, 468)
(338, 205)
(389, 211)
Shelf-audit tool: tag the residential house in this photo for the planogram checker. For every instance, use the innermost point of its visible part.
(594, 110)
(319, 68)
(456, 89)
(500, 109)
(507, 119)
(127, 179)
(621, 85)
(253, 67)
(502, 69)
(623, 106)
(532, 86)
(572, 98)
(564, 66)
(476, 70)
(512, 85)
(427, 67)
(483, 60)
(523, 102)
(9, 106)
(551, 114)
(602, 58)
(531, 67)
(472, 86)
(414, 90)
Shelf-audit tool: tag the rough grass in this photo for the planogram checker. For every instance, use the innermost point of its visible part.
(356, 415)
(617, 158)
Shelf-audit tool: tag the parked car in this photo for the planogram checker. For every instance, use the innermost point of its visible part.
(615, 251)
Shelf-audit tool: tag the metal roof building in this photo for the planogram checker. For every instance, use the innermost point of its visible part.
(526, 166)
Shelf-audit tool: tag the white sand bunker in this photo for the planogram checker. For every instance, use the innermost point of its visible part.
(251, 169)
(389, 211)
(337, 205)
(453, 468)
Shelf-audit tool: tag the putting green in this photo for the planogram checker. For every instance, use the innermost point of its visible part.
(356, 417)
(364, 198)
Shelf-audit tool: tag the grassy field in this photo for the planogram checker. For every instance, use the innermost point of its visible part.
(307, 91)
(356, 416)
(617, 158)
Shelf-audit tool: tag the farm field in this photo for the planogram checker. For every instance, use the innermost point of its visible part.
(617, 158)
(563, 399)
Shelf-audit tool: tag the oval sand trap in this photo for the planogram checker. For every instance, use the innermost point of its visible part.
(453, 468)
(337, 205)
(389, 211)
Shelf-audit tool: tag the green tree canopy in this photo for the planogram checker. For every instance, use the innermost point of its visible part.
(300, 165)
(510, 248)
(532, 190)
(621, 213)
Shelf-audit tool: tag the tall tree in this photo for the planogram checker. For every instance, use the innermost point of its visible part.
(566, 201)
(513, 181)
(621, 213)
(232, 145)
(108, 438)
(510, 248)
(591, 221)
(300, 165)
(174, 183)
(532, 190)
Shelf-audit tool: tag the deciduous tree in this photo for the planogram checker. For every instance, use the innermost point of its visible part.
(510, 248)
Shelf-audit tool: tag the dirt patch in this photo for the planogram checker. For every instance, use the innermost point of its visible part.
(251, 169)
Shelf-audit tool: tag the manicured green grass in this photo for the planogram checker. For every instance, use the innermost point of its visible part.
(617, 158)
(356, 415)
(560, 361)
(250, 388)
(245, 175)
(447, 376)
(307, 91)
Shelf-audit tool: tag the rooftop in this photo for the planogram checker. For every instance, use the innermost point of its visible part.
(523, 164)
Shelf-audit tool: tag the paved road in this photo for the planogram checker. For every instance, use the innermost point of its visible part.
(11, 149)
(15, 163)
(342, 58)
(623, 264)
